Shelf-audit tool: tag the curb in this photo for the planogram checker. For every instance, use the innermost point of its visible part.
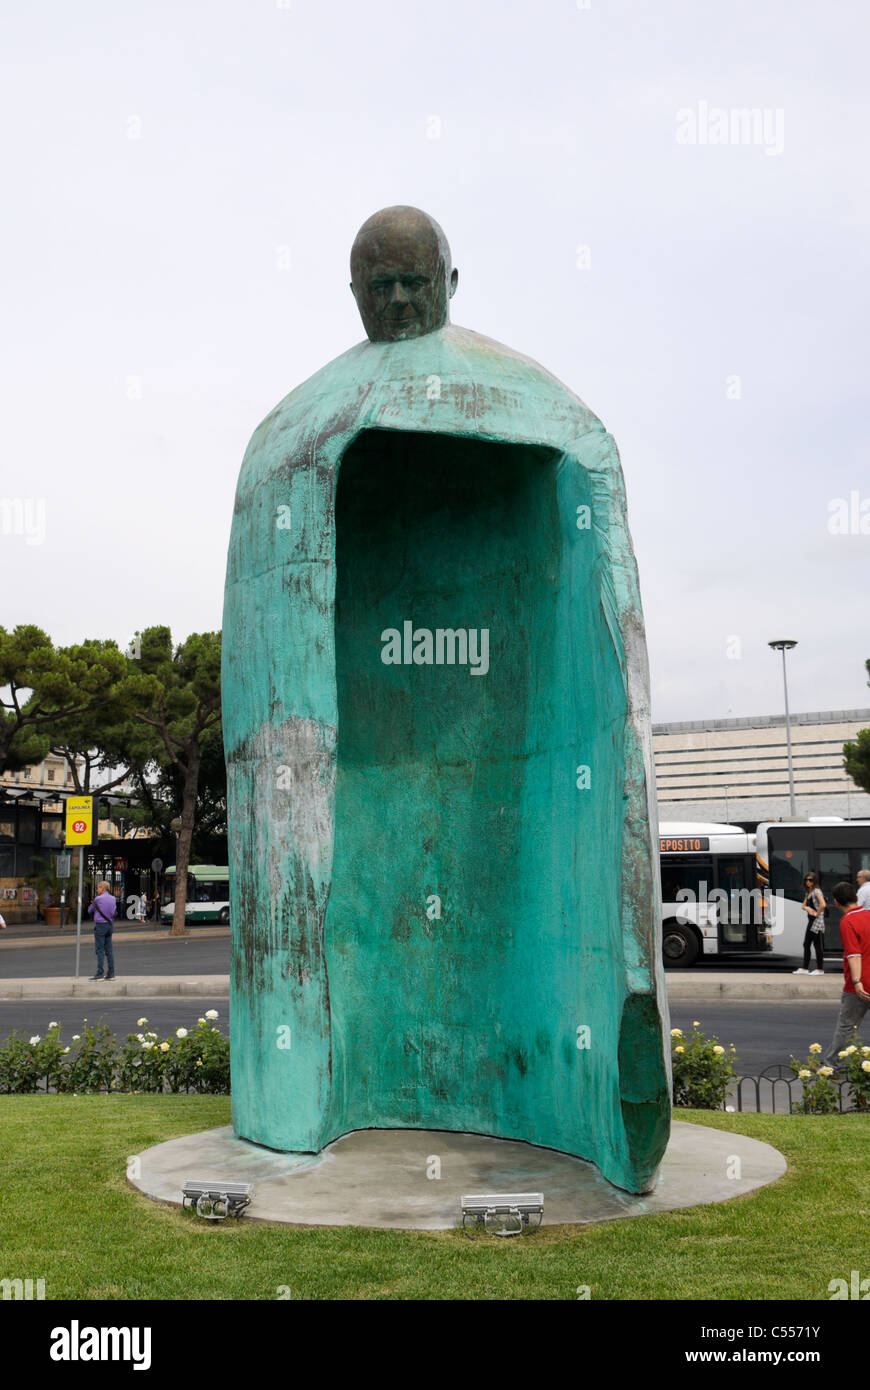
(681, 989)
(133, 987)
(689, 989)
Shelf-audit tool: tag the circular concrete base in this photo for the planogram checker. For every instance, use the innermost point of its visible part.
(413, 1179)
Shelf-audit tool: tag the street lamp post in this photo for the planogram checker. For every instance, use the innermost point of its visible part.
(785, 644)
(727, 820)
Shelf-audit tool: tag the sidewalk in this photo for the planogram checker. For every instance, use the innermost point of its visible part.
(684, 988)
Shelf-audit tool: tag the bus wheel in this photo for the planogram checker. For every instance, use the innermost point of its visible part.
(679, 945)
(224, 916)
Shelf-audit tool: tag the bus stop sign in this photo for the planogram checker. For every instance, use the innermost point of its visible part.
(81, 820)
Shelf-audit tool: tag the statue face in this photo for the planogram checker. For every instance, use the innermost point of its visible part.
(401, 282)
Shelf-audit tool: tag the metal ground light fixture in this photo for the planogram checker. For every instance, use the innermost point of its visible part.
(512, 1210)
(216, 1200)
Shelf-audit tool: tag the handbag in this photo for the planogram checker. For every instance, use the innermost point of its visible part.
(816, 921)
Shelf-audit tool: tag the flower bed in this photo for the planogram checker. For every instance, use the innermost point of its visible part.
(193, 1059)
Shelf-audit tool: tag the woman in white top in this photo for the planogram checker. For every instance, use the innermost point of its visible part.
(814, 937)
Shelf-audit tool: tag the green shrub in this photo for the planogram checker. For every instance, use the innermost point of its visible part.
(855, 1067)
(209, 1056)
(92, 1066)
(141, 1064)
(702, 1069)
(20, 1065)
(821, 1096)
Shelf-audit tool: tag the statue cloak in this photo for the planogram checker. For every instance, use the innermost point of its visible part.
(444, 888)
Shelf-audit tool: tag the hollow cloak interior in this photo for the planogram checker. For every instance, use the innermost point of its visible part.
(459, 793)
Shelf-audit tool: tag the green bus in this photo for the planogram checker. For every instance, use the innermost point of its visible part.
(208, 893)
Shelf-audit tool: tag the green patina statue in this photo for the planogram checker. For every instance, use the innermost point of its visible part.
(444, 896)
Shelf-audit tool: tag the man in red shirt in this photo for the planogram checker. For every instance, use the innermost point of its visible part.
(855, 935)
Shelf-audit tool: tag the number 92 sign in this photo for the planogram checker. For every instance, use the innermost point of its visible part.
(81, 820)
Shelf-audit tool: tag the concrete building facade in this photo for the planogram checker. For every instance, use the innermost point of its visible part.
(736, 770)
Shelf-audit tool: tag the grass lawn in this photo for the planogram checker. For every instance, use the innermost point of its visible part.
(68, 1216)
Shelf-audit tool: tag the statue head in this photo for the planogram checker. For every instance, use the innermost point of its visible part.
(401, 275)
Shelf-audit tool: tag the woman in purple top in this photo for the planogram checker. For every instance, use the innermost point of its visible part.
(103, 910)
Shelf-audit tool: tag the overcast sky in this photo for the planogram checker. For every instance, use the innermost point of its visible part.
(182, 183)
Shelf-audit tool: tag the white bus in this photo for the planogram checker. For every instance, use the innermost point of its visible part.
(787, 851)
(712, 904)
(208, 894)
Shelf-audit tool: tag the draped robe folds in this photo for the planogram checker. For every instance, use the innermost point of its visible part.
(443, 883)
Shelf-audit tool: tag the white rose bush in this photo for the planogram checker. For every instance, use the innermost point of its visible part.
(25, 1063)
(854, 1064)
(195, 1059)
(821, 1095)
(702, 1068)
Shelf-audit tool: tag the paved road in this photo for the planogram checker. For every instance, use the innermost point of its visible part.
(164, 1015)
(193, 954)
(185, 956)
(763, 1032)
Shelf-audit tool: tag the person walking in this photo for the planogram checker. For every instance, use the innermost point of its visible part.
(814, 937)
(863, 898)
(2, 922)
(103, 910)
(855, 935)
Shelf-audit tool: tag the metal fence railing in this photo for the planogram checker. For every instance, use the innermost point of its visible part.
(779, 1086)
